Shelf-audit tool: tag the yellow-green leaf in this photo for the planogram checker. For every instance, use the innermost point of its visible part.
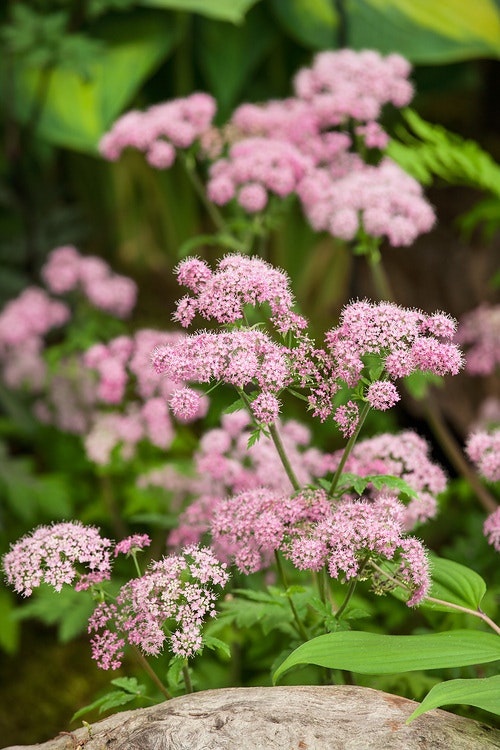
(75, 112)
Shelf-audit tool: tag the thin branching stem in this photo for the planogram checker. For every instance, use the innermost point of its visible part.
(150, 671)
(298, 622)
(442, 602)
(348, 448)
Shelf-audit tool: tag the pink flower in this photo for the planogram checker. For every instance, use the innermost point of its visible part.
(177, 593)
(382, 395)
(347, 417)
(491, 529)
(185, 404)
(132, 544)
(266, 408)
(161, 129)
(483, 449)
(56, 555)
(479, 330)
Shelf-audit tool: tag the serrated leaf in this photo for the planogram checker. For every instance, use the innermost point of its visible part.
(482, 693)
(350, 480)
(238, 405)
(381, 481)
(112, 699)
(129, 685)
(215, 644)
(374, 653)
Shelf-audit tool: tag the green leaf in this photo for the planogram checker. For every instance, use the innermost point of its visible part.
(454, 583)
(483, 693)
(422, 30)
(129, 685)
(244, 49)
(310, 22)
(374, 653)
(383, 481)
(428, 150)
(238, 405)
(76, 112)
(224, 10)
(215, 644)
(425, 31)
(111, 700)
(418, 383)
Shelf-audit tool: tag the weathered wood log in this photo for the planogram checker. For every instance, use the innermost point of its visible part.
(280, 718)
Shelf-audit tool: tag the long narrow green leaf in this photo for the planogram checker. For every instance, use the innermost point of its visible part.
(224, 10)
(483, 693)
(374, 653)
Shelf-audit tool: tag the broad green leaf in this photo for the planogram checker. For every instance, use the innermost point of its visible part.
(483, 693)
(224, 10)
(244, 48)
(424, 31)
(310, 22)
(454, 583)
(374, 653)
(76, 112)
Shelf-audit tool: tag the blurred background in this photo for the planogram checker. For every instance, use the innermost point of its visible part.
(68, 70)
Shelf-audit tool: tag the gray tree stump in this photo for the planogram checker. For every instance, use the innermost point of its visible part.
(280, 718)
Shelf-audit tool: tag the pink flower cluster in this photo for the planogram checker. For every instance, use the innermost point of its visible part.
(161, 129)
(168, 603)
(254, 168)
(253, 525)
(125, 378)
(238, 357)
(24, 322)
(57, 555)
(237, 281)
(491, 529)
(483, 449)
(406, 339)
(313, 534)
(226, 465)
(66, 270)
(304, 145)
(404, 455)
(479, 330)
(346, 85)
(381, 199)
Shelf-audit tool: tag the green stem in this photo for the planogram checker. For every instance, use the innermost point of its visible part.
(298, 622)
(350, 591)
(348, 448)
(136, 564)
(379, 277)
(280, 448)
(212, 210)
(455, 455)
(187, 678)
(148, 669)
